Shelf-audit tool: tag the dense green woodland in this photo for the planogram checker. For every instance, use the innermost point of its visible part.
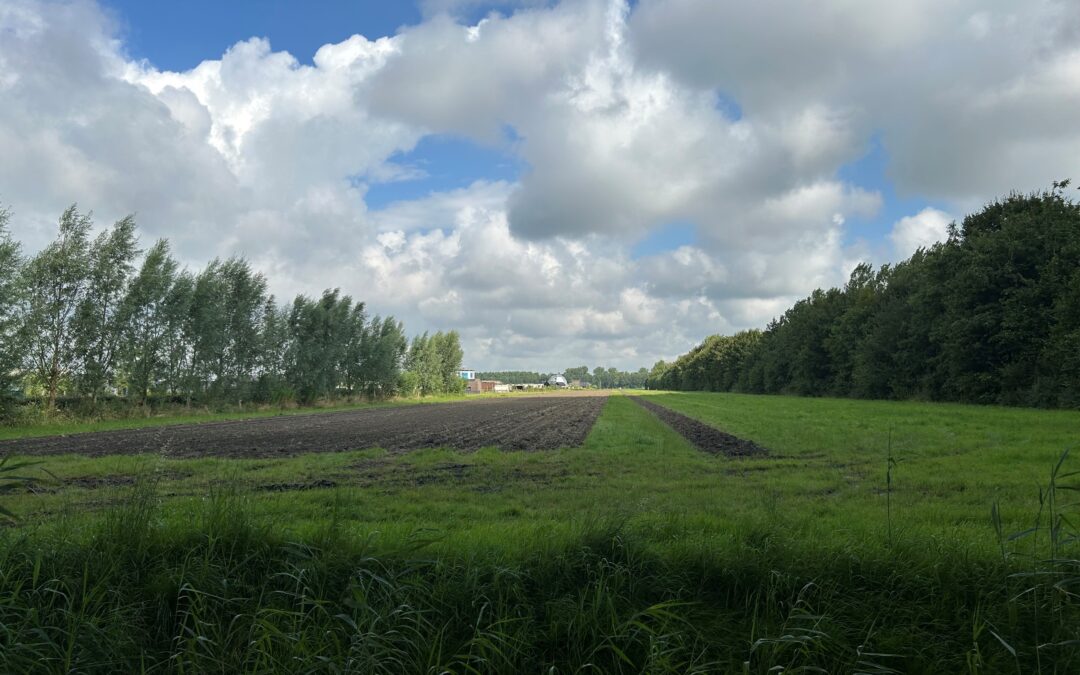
(992, 315)
(88, 319)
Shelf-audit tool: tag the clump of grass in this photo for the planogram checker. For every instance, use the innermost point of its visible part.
(1043, 621)
(16, 476)
(890, 464)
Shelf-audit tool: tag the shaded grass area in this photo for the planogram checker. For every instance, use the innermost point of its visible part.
(632, 553)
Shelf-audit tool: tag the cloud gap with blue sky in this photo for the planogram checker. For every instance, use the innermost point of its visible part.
(440, 163)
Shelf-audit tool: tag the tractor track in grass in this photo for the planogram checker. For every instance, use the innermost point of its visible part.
(704, 437)
(527, 423)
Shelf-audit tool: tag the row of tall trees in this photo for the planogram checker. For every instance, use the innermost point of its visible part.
(433, 364)
(992, 315)
(89, 317)
(609, 378)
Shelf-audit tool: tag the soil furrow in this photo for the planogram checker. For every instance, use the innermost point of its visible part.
(706, 438)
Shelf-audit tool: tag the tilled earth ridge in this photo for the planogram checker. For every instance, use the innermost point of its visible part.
(527, 423)
(706, 438)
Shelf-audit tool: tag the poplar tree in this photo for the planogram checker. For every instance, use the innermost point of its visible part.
(206, 327)
(56, 282)
(146, 324)
(178, 340)
(276, 346)
(246, 291)
(424, 362)
(320, 332)
(356, 339)
(385, 357)
(449, 354)
(100, 317)
(11, 311)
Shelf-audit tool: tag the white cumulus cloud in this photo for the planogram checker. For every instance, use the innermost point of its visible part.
(922, 230)
(735, 117)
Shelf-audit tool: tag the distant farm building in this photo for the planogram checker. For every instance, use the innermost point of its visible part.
(478, 386)
(475, 385)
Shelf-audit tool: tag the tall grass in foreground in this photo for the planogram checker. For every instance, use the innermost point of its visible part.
(227, 594)
(15, 475)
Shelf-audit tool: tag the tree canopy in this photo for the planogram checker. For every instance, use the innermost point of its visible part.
(991, 315)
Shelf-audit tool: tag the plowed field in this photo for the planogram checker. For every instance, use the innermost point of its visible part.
(526, 423)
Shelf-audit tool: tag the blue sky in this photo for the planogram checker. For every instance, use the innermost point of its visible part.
(443, 162)
(870, 172)
(179, 35)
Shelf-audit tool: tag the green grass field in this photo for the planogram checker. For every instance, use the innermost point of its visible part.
(632, 553)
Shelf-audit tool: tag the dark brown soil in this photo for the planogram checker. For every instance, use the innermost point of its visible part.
(526, 423)
(385, 472)
(289, 487)
(706, 438)
(98, 482)
(120, 480)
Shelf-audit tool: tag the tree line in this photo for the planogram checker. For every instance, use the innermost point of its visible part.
(608, 378)
(991, 315)
(598, 377)
(88, 318)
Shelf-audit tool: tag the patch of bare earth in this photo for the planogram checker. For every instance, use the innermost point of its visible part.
(512, 423)
(704, 437)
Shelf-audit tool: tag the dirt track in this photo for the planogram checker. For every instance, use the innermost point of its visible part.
(706, 438)
(526, 423)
